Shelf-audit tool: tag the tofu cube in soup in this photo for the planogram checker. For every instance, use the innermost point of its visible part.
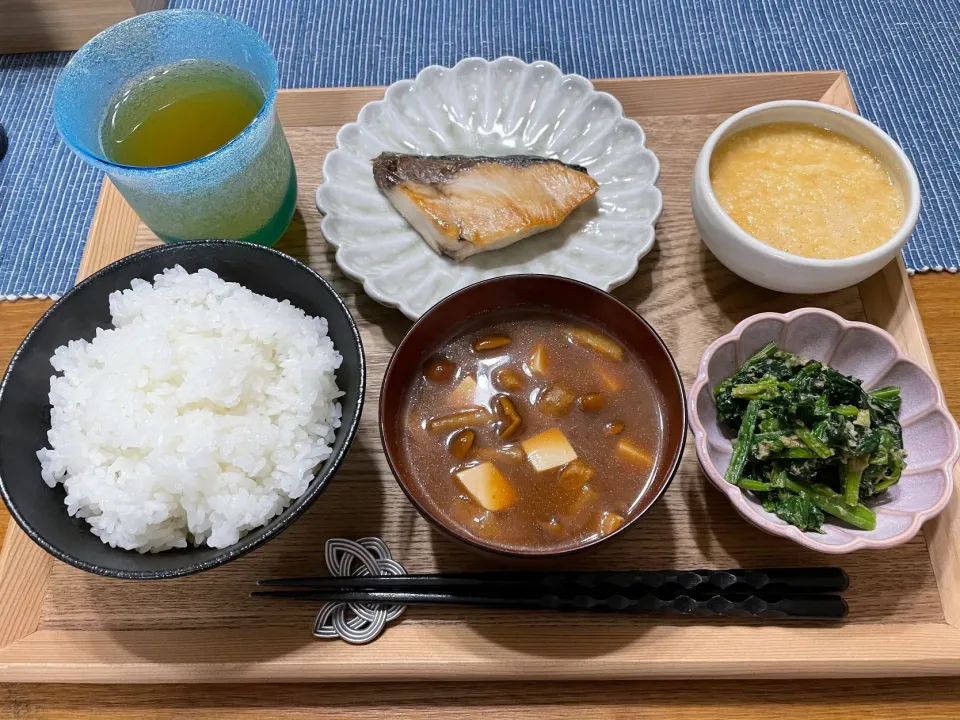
(628, 452)
(464, 394)
(549, 450)
(538, 360)
(610, 380)
(487, 485)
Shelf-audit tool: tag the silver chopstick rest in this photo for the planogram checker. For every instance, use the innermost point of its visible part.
(357, 623)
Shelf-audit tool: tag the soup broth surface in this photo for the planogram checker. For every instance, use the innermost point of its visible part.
(589, 437)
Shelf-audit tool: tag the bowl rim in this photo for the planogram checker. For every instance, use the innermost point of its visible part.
(759, 517)
(531, 554)
(246, 543)
(701, 179)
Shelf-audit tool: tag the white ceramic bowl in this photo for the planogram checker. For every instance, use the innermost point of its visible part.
(478, 107)
(930, 434)
(774, 269)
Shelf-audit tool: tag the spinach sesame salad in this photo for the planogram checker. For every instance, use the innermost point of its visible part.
(811, 442)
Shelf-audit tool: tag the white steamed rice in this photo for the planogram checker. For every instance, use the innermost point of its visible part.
(199, 416)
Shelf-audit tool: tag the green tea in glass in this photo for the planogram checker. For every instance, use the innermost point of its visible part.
(185, 125)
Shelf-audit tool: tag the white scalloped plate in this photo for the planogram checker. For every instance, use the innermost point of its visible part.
(478, 107)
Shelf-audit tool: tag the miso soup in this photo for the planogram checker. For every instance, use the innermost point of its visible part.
(532, 431)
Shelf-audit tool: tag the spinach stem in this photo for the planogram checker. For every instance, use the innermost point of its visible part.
(831, 502)
(763, 389)
(885, 393)
(741, 448)
(764, 352)
(814, 443)
(754, 485)
(852, 476)
(797, 453)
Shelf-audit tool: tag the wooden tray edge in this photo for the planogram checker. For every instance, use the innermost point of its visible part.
(888, 302)
(24, 566)
(462, 653)
(927, 649)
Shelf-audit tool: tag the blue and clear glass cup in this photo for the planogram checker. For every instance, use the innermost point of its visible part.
(246, 190)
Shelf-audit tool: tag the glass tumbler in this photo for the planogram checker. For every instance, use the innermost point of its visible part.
(246, 190)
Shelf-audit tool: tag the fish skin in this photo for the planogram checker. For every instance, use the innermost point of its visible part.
(391, 169)
(466, 205)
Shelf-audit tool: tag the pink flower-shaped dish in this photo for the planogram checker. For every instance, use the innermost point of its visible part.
(930, 434)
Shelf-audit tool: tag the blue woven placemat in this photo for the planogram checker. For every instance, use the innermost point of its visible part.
(903, 60)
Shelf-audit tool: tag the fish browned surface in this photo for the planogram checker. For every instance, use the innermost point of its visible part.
(466, 205)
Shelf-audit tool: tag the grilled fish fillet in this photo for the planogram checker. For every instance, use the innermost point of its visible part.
(466, 205)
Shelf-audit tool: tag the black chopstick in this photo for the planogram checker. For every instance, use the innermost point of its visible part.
(773, 581)
(824, 607)
(775, 593)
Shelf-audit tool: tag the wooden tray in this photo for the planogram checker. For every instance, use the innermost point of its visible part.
(58, 624)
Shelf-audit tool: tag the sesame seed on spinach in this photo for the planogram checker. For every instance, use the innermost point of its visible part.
(811, 442)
